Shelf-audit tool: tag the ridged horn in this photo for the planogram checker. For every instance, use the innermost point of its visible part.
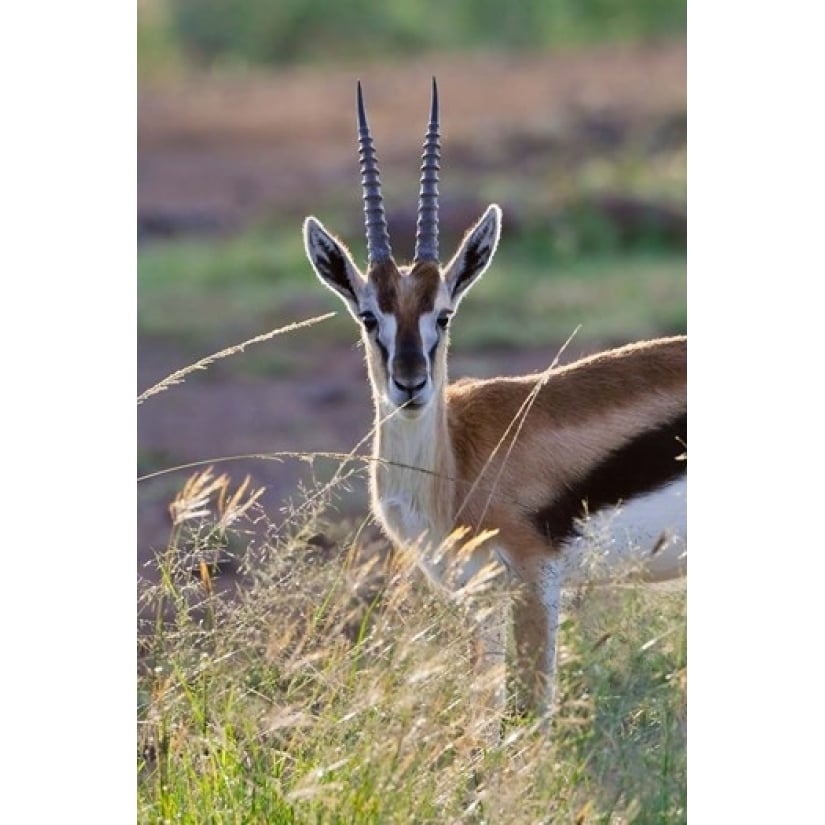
(378, 239)
(426, 235)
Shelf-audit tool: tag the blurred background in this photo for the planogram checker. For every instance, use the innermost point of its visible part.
(571, 114)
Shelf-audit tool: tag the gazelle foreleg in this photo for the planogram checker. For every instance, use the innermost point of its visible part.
(489, 608)
(536, 609)
(489, 669)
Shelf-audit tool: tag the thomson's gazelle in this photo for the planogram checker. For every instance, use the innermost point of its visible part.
(588, 454)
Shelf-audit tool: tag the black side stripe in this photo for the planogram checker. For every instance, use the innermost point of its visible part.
(643, 465)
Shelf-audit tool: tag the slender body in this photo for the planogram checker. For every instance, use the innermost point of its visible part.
(576, 471)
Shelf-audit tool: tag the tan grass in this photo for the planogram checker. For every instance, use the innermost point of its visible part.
(333, 704)
(331, 699)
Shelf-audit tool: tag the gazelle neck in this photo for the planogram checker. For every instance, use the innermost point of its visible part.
(411, 479)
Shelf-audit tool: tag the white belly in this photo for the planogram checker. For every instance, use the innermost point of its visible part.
(646, 536)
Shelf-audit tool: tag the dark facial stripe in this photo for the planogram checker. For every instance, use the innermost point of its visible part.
(642, 466)
(385, 356)
(408, 359)
(407, 339)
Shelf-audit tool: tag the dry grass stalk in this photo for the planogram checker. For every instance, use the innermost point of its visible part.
(179, 376)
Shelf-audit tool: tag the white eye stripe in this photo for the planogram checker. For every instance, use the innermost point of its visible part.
(429, 332)
(387, 330)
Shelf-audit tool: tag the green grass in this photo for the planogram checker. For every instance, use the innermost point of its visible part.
(337, 688)
(217, 288)
(172, 32)
(613, 298)
(215, 292)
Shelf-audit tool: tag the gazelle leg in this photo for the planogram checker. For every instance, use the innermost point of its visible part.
(489, 670)
(535, 628)
(491, 641)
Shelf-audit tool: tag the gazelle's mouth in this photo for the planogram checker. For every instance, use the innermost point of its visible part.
(412, 408)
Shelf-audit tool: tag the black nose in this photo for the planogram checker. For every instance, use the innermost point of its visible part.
(409, 370)
(410, 385)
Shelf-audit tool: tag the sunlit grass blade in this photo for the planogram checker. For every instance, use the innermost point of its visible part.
(180, 375)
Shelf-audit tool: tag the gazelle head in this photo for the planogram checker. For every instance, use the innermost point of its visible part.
(404, 311)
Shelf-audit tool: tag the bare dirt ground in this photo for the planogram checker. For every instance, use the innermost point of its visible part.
(214, 153)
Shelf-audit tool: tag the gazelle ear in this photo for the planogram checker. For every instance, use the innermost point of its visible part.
(333, 263)
(474, 254)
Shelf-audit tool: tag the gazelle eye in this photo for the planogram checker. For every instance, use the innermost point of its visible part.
(369, 321)
(443, 320)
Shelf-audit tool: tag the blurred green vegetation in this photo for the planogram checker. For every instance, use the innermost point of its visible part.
(544, 281)
(209, 32)
(569, 253)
